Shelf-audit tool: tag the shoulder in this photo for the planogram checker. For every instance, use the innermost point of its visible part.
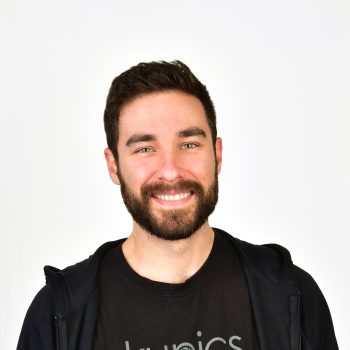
(274, 262)
(65, 290)
(268, 262)
(271, 265)
(73, 285)
(315, 316)
(38, 330)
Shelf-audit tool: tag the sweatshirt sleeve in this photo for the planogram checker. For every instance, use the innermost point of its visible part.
(316, 324)
(38, 330)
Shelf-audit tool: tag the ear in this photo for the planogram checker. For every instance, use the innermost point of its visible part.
(218, 149)
(112, 166)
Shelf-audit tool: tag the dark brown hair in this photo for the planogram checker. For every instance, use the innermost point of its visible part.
(146, 78)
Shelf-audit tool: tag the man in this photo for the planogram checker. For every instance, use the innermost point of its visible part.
(175, 282)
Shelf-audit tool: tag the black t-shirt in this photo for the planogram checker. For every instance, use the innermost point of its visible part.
(209, 311)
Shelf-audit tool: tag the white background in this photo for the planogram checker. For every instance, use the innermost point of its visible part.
(278, 72)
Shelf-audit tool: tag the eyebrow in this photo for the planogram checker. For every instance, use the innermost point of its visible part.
(192, 132)
(137, 138)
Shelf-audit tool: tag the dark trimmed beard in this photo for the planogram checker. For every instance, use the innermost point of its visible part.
(171, 224)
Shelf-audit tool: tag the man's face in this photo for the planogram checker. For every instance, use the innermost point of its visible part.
(167, 167)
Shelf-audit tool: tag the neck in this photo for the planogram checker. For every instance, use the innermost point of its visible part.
(167, 261)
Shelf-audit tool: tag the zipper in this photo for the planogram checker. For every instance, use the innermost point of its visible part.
(61, 322)
(61, 333)
(295, 337)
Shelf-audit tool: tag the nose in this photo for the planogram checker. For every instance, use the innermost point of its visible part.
(170, 169)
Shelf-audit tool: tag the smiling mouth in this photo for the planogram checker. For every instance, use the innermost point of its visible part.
(173, 197)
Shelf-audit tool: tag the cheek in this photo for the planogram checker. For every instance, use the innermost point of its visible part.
(136, 174)
(203, 169)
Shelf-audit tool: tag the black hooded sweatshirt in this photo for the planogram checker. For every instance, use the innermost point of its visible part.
(289, 310)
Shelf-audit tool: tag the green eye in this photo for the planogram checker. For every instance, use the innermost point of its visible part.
(189, 145)
(144, 150)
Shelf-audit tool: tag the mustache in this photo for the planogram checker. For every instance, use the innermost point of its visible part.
(180, 186)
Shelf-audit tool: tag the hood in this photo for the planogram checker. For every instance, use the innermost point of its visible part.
(278, 291)
(270, 264)
(73, 285)
(274, 297)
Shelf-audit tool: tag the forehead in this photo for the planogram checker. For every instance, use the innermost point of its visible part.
(162, 113)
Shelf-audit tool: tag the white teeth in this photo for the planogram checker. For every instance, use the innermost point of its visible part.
(175, 197)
